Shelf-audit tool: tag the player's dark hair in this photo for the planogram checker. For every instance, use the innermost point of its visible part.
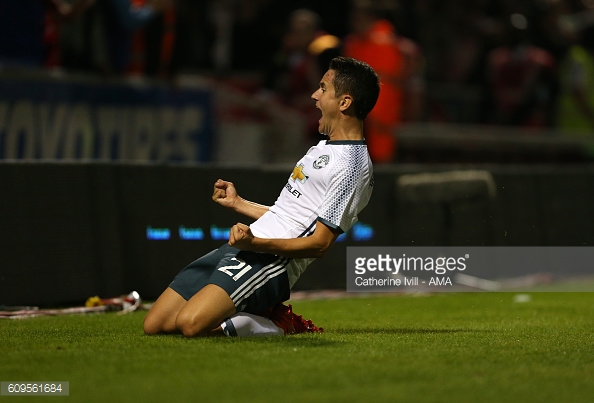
(357, 79)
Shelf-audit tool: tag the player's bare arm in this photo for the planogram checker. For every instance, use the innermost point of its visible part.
(313, 246)
(226, 195)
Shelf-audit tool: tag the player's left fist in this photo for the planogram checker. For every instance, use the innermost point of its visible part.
(240, 236)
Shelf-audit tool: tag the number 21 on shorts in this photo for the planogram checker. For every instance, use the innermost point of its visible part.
(235, 272)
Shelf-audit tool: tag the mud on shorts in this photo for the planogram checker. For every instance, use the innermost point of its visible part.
(254, 281)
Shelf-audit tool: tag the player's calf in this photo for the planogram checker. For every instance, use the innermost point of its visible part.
(161, 317)
(204, 312)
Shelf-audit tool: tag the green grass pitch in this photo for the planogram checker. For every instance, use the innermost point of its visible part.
(467, 347)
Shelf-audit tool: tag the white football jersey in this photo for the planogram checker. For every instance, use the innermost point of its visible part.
(332, 183)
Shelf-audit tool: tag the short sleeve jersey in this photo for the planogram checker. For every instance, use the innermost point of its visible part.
(331, 184)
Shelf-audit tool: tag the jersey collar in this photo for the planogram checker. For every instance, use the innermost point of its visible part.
(342, 142)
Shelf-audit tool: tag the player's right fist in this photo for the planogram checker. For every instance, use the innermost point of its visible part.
(224, 193)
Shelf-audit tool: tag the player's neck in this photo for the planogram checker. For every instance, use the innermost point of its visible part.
(347, 132)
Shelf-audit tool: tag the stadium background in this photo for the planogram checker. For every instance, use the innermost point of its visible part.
(106, 183)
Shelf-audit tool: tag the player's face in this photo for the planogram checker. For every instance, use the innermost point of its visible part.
(327, 102)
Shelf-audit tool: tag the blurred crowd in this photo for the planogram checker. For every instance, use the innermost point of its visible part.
(525, 63)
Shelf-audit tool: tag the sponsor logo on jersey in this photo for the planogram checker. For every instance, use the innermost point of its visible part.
(298, 174)
(322, 161)
(294, 192)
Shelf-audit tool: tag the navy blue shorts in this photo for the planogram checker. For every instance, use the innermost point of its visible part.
(254, 281)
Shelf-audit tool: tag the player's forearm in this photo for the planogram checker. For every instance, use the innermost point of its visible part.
(250, 209)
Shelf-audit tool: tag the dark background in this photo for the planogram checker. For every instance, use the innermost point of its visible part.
(69, 231)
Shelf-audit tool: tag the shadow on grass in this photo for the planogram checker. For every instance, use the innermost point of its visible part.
(391, 330)
(323, 339)
(298, 340)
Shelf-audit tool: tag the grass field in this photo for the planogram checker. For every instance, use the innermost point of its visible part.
(468, 347)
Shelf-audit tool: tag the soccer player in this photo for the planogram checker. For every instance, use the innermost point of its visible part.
(238, 289)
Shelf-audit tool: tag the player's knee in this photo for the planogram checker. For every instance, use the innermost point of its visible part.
(189, 325)
(151, 325)
(157, 323)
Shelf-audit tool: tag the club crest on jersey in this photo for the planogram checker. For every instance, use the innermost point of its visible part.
(322, 161)
(298, 174)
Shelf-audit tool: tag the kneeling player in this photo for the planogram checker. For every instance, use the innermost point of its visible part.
(238, 289)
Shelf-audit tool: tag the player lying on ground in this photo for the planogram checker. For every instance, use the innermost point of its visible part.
(238, 288)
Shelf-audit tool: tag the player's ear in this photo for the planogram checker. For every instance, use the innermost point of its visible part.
(345, 102)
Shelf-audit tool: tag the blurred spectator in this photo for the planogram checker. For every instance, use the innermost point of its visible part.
(122, 37)
(123, 21)
(222, 15)
(413, 82)
(296, 68)
(154, 45)
(550, 30)
(575, 109)
(246, 35)
(467, 42)
(194, 35)
(257, 30)
(29, 30)
(455, 36)
(374, 40)
(521, 78)
(82, 43)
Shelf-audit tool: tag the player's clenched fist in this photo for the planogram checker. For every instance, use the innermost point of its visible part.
(224, 193)
(240, 236)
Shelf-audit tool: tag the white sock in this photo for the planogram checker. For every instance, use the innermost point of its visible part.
(247, 325)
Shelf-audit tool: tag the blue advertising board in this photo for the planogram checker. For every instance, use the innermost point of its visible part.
(70, 119)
